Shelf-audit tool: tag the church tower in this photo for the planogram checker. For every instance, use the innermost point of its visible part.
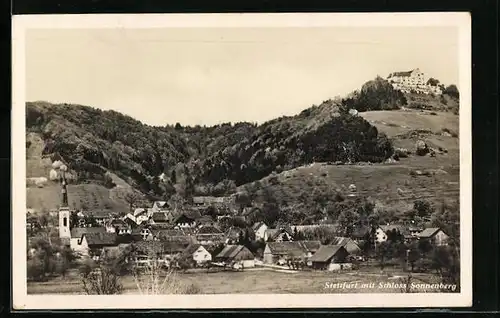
(64, 214)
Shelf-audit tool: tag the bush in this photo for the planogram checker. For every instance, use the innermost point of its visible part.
(377, 94)
(452, 91)
(401, 153)
(192, 289)
(102, 281)
(423, 265)
(35, 269)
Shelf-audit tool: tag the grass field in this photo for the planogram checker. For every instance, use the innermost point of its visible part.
(258, 281)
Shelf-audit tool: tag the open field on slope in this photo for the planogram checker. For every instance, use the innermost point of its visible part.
(390, 185)
(91, 196)
(397, 124)
(257, 282)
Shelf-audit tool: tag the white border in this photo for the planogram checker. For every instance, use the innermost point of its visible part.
(23, 301)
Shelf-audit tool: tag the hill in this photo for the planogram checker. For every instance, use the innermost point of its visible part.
(110, 154)
(315, 190)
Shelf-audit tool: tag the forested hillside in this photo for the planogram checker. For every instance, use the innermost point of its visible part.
(161, 161)
(92, 141)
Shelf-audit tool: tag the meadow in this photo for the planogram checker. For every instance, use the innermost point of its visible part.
(261, 281)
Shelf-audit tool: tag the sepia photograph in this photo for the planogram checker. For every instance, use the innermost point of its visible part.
(242, 161)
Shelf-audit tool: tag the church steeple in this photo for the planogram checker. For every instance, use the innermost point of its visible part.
(59, 172)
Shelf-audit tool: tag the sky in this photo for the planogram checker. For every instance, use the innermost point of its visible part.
(207, 76)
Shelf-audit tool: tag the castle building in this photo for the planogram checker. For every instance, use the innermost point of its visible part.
(412, 81)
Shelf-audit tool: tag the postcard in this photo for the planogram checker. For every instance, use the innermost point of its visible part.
(207, 161)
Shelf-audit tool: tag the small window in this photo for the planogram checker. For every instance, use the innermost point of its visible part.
(65, 221)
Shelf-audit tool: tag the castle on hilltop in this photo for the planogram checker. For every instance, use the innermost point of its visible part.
(413, 81)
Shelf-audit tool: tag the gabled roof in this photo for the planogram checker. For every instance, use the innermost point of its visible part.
(361, 232)
(160, 204)
(325, 253)
(140, 211)
(273, 233)
(207, 229)
(286, 248)
(429, 232)
(175, 246)
(160, 217)
(113, 251)
(404, 74)
(77, 232)
(148, 247)
(100, 239)
(393, 227)
(339, 240)
(257, 225)
(234, 232)
(189, 214)
(217, 237)
(231, 251)
(192, 248)
(310, 246)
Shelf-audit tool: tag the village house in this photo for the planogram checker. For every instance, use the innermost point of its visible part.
(386, 232)
(113, 251)
(160, 218)
(208, 234)
(148, 252)
(77, 233)
(280, 252)
(186, 219)
(143, 233)
(279, 234)
(160, 206)
(32, 222)
(100, 216)
(142, 215)
(198, 253)
(331, 258)
(233, 234)
(118, 226)
(237, 256)
(434, 235)
(249, 213)
(172, 249)
(349, 244)
(91, 244)
(361, 234)
(259, 229)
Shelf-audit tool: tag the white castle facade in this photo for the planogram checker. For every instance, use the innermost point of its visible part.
(412, 81)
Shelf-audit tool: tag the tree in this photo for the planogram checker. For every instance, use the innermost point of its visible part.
(35, 269)
(383, 253)
(413, 256)
(73, 219)
(131, 198)
(67, 259)
(347, 219)
(424, 247)
(452, 91)
(432, 82)
(446, 261)
(90, 221)
(173, 177)
(102, 280)
(423, 208)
